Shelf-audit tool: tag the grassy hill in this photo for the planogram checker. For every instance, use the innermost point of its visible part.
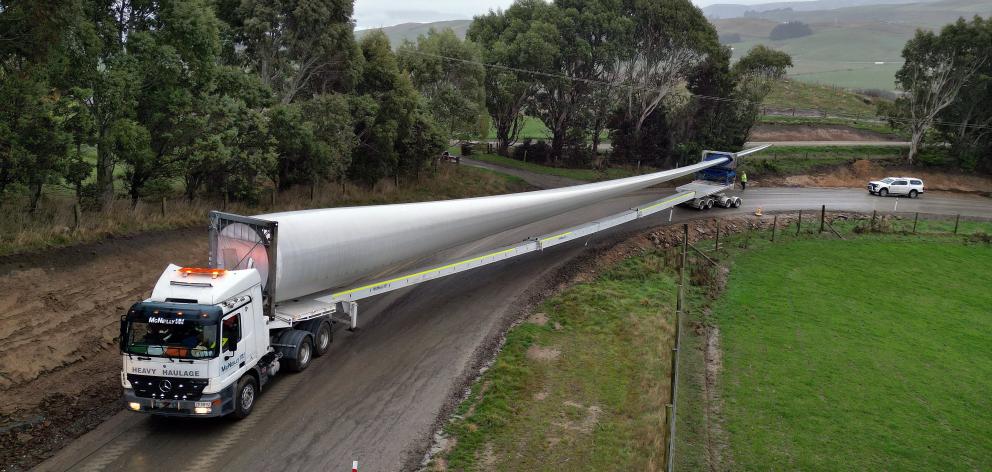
(832, 100)
(410, 31)
(733, 10)
(847, 43)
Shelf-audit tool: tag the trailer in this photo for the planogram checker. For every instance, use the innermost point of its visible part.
(711, 184)
(208, 340)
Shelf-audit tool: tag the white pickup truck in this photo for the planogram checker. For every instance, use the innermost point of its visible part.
(909, 186)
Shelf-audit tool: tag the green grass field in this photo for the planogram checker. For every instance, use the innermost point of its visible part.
(843, 56)
(534, 129)
(789, 160)
(871, 354)
(787, 94)
(867, 125)
(581, 386)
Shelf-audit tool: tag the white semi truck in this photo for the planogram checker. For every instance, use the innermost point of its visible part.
(208, 340)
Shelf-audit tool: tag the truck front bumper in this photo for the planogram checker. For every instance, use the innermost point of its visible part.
(209, 405)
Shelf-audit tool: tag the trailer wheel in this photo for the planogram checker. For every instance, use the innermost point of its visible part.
(322, 337)
(297, 349)
(304, 354)
(244, 396)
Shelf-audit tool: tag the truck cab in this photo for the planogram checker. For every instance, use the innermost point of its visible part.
(198, 346)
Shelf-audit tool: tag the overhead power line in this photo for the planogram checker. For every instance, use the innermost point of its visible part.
(646, 88)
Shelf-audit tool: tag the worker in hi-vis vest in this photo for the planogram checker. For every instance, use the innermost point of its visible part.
(743, 181)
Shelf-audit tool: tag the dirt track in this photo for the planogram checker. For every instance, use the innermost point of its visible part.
(776, 133)
(60, 319)
(58, 322)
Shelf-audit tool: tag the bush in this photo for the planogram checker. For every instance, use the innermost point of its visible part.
(532, 152)
(790, 30)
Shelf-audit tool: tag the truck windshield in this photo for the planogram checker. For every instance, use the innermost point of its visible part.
(184, 341)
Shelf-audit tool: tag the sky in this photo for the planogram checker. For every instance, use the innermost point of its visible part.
(380, 13)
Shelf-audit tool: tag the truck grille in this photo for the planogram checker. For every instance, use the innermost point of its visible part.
(167, 388)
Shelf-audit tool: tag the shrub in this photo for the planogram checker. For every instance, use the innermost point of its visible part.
(532, 152)
(790, 30)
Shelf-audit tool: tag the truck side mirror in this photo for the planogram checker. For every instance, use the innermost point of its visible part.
(233, 347)
(122, 337)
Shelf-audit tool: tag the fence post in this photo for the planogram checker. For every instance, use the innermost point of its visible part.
(747, 233)
(915, 219)
(957, 220)
(774, 227)
(163, 206)
(874, 215)
(717, 247)
(77, 217)
(273, 195)
(799, 222)
(685, 251)
(668, 448)
(823, 216)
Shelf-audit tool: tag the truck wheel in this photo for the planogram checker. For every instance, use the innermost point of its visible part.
(738, 202)
(883, 193)
(304, 354)
(244, 397)
(913, 194)
(322, 338)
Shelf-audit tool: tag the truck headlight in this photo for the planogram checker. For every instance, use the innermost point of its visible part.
(134, 406)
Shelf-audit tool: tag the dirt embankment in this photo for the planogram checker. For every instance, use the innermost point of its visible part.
(765, 132)
(858, 174)
(59, 317)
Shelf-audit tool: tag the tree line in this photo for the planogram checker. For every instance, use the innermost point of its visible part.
(947, 88)
(225, 97)
(650, 74)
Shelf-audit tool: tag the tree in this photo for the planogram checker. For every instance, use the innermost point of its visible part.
(587, 52)
(174, 58)
(754, 75)
(789, 30)
(294, 46)
(522, 38)
(935, 70)
(445, 72)
(663, 56)
(676, 53)
(966, 124)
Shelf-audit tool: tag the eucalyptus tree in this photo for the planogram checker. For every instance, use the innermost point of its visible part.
(517, 45)
(446, 72)
(937, 67)
(296, 47)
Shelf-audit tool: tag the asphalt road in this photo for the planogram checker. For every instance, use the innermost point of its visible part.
(377, 394)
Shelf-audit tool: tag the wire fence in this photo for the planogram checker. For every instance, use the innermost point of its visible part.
(715, 239)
